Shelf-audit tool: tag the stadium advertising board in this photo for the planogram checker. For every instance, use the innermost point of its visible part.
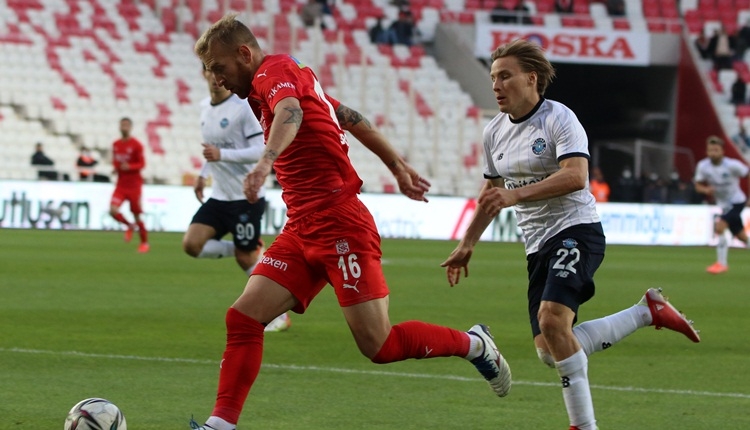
(76, 205)
(570, 45)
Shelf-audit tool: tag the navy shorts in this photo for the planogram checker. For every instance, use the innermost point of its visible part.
(239, 217)
(733, 217)
(562, 271)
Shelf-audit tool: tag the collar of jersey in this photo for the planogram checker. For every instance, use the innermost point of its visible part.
(528, 115)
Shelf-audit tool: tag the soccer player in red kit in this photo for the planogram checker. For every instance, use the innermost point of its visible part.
(128, 160)
(330, 236)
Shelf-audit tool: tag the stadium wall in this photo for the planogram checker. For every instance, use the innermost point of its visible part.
(61, 205)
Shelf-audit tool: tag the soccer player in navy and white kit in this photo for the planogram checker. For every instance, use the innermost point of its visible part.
(537, 161)
(233, 143)
(718, 176)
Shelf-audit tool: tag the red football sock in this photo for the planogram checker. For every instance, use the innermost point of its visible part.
(416, 339)
(239, 366)
(142, 232)
(121, 219)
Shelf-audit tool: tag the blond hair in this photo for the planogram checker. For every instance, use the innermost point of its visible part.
(228, 32)
(531, 58)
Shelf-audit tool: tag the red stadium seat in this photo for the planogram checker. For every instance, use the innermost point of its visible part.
(651, 10)
(656, 26)
(568, 21)
(674, 27)
(694, 22)
(743, 111)
(670, 12)
(709, 14)
(620, 24)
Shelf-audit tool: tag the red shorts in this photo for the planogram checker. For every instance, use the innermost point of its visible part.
(132, 195)
(338, 246)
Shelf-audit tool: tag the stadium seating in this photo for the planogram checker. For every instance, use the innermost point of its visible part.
(75, 67)
(650, 15)
(705, 16)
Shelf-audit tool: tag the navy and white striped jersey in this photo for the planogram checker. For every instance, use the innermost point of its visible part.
(527, 150)
(231, 125)
(725, 178)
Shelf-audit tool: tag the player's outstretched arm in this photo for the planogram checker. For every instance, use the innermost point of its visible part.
(459, 258)
(410, 182)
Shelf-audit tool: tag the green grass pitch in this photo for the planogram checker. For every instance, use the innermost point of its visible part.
(83, 315)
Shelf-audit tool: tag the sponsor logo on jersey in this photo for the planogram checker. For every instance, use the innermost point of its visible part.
(278, 87)
(511, 185)
(342, 247)
(224, 123)
(278, 264)
(539, 146)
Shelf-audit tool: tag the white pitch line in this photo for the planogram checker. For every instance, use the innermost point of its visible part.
(366, 372)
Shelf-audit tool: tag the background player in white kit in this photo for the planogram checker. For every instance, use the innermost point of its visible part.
(233, 143)
(718, 177)
(537, 161)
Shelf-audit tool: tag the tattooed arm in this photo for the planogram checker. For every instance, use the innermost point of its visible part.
(286, 122)
(409, 182)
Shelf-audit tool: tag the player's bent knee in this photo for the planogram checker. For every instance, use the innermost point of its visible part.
(191, 247)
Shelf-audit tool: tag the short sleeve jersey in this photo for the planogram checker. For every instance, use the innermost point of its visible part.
(725, 178)
(314, 171)
(230, 124)
(128, 151)
(528, 150)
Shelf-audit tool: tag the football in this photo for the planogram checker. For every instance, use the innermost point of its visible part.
(95, 414)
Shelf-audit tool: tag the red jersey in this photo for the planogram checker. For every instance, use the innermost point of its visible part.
(314, 171)
(128, 151)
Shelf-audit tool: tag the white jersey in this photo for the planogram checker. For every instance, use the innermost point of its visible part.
(231, 125)
(725, 178)
(528, 150)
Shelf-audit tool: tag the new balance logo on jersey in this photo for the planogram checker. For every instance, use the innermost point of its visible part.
(278, 264)
(562, 274)
(352, 287)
